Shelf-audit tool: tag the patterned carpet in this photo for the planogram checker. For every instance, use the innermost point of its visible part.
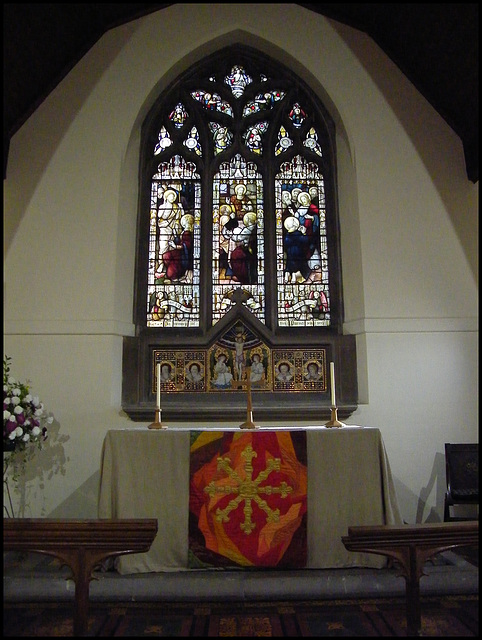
(441, 617)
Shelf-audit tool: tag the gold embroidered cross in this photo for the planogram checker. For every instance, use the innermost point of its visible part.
(248, 490)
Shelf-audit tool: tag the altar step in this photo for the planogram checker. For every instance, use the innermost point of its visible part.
(33, 578)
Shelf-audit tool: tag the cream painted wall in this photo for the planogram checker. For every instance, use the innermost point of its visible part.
(408, 216)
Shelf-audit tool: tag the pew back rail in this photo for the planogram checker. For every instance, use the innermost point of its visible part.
(411, 546)
(82, 545)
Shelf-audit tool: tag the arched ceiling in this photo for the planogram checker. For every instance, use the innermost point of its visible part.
(434, 45)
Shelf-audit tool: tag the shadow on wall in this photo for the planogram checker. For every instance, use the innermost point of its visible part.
(437, 480)
(409, 501)
(30, 470)
(83, 503)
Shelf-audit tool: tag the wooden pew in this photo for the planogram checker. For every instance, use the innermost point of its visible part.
(80, 544)
(411, 545)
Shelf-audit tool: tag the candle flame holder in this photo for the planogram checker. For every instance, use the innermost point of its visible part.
(334, 422)
(157, 424)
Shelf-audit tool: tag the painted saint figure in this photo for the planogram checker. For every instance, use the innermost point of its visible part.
(257, 369)
(313, 372)
(178, 260)
(169, 215)
(194, 374)
(284, 372)
(222, 373)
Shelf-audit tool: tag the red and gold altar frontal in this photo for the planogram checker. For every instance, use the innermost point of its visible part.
(248, 499)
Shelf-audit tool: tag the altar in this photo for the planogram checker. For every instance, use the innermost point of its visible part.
(145, 474)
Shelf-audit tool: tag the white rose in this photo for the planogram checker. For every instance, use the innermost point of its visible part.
(38, 413)
(16, 391)
(6, 414)
(35, 401)
(15, 400)
(19, 432)
(26, 437)
(18, 409)
(36, 431)
(12, 436)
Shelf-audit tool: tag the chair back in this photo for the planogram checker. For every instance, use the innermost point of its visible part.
(462, 470)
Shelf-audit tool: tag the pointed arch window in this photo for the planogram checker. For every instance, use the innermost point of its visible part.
(237, 232)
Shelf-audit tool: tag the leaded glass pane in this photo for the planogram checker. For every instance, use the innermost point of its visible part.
(297, 115)
(238, 81)
(283, 143)
(253, 137)
(301, 243)
(193, 143)
(163, 142)
(311, 141)
(212, 102)
(263, 102)
(222, 137)
(178, 115)
(238, 243)
(174, 246)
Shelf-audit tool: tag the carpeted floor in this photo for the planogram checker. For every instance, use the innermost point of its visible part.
(441, 617)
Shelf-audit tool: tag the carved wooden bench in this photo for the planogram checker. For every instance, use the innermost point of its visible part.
(411, 546)
(80, 544)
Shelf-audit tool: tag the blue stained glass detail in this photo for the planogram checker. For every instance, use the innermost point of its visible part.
(297, 115)
(192, 142)
(164, 141)
(301, 245)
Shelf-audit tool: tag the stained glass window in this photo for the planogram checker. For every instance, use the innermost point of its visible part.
(233, 204)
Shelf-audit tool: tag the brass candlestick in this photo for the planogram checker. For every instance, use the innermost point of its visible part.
(157, 424)
(334, 422)
(249, 424)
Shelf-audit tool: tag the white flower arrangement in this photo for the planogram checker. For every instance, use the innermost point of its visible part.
(24, 417)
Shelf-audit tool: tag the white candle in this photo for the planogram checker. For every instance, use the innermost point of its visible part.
(158, 377)
(332, 378)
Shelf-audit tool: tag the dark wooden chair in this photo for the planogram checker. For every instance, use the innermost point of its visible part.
(462, 478)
